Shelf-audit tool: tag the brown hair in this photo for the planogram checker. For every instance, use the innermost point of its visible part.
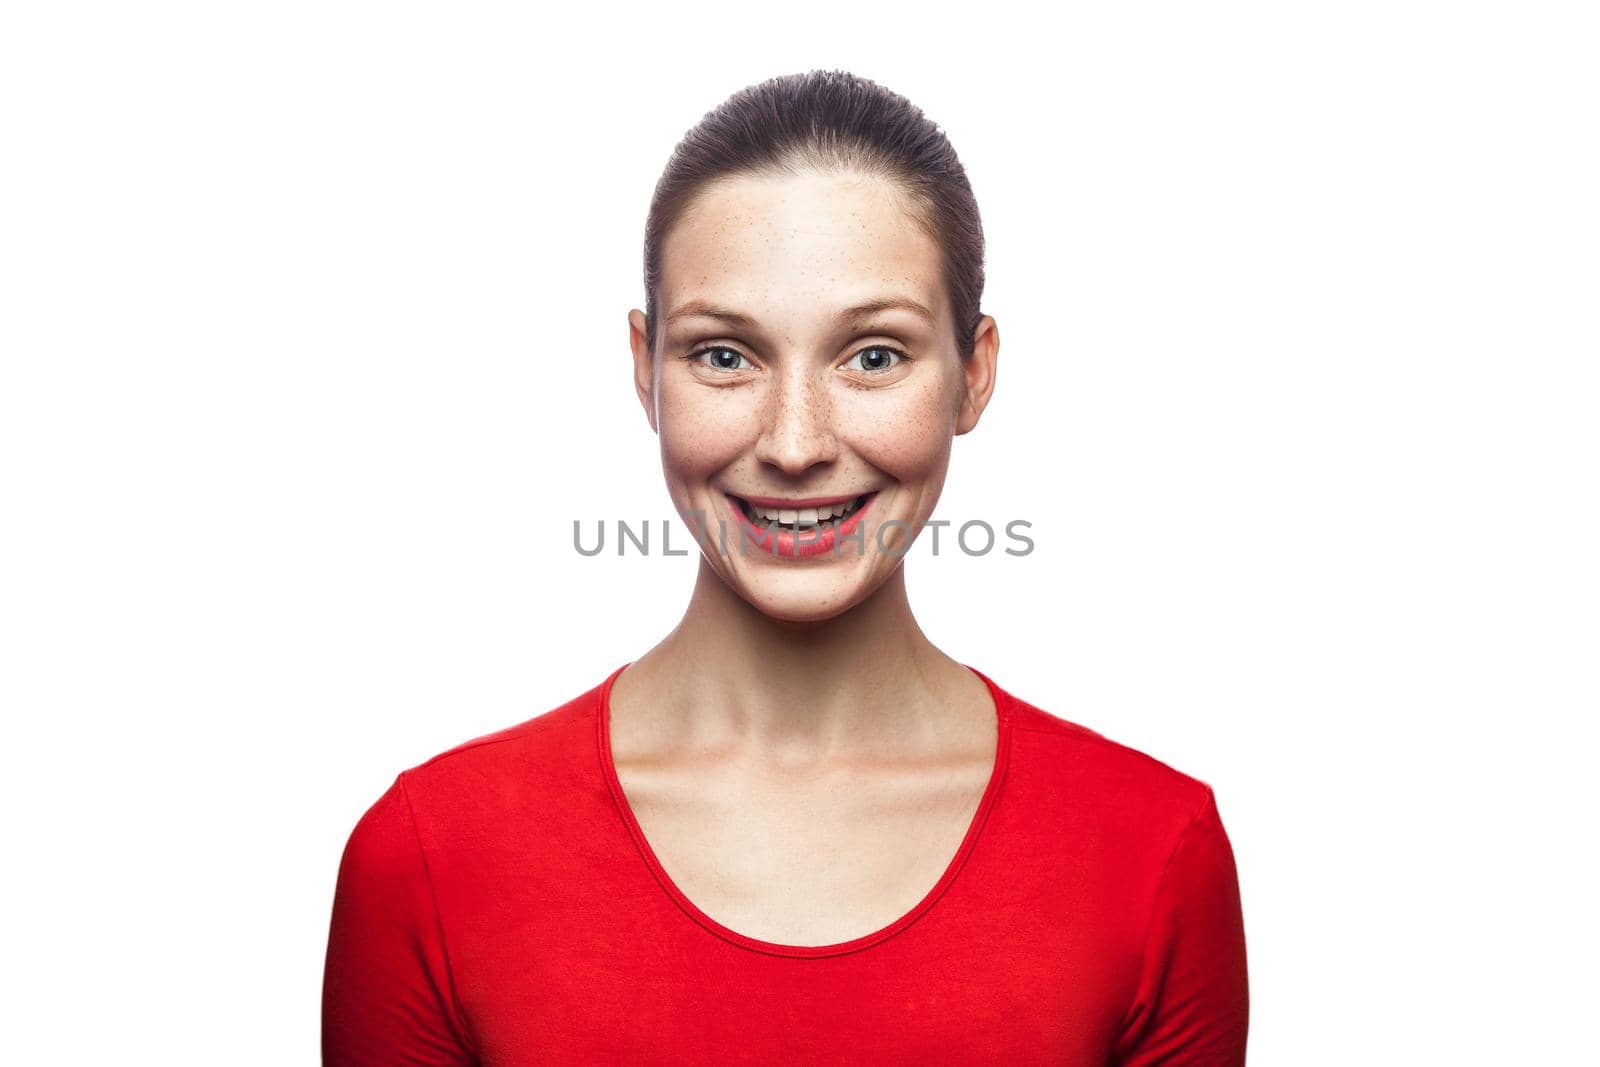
(829, 120)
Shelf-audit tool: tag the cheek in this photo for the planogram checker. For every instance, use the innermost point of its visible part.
(701, 430)
(905, 432)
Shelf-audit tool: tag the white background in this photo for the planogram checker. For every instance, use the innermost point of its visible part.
(314, 335)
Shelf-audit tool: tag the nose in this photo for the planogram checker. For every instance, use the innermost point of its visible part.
(798, 418)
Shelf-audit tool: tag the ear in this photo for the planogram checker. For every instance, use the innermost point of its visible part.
(979, 370)
(643, 366)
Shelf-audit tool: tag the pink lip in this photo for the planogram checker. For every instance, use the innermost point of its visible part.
(804, 502)
(789, 543)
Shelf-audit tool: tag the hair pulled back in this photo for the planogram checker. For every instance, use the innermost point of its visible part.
(831, 121)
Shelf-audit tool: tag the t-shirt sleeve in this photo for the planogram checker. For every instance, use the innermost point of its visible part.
(387, 995)
(1192, 1005)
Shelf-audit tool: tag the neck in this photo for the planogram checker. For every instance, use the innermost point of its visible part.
(864, 675)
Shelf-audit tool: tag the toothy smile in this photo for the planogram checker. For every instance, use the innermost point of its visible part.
(802, 517)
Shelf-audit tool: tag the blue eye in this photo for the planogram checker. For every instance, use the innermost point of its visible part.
(880, 365)
(723, 358)
(714, 364)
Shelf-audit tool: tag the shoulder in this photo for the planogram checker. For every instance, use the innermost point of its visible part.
(532, 766)
(1081, 776)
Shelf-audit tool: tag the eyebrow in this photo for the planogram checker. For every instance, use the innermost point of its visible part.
(705, 309)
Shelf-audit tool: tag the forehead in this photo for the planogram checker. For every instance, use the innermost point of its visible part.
(799, 245)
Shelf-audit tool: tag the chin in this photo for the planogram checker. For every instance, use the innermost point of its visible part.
(798, 605)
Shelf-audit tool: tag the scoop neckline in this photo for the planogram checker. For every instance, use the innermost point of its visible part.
(647, 852)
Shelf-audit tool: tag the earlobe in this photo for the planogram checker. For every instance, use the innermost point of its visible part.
(979, 372)
(648, 400)
(643, 367)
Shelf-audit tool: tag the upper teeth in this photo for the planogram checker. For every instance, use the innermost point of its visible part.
(789, 516)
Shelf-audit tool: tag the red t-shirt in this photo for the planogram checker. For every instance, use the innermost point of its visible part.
(499, 905)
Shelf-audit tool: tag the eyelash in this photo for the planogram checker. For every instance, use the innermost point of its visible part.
(695, 355)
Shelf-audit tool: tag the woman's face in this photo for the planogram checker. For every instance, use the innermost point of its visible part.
(806, 353)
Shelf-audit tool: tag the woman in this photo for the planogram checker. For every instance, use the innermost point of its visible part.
(794, 831)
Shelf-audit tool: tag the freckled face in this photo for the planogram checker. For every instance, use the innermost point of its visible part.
(796, 399)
